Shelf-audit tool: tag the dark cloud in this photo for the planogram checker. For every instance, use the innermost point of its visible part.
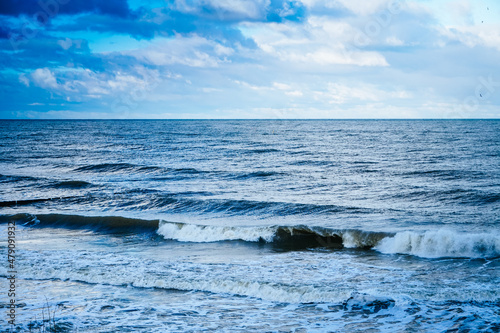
(171, 23)
(118, 8)
(276, 11)
(204, 18)
(238, 10)
(207, 18)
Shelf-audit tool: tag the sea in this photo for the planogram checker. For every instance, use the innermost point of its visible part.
(250, 225)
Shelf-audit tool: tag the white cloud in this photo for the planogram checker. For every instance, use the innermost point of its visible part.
(225, 9)
(470, 23)
(79, 84)
(24, 80)
(394, 41)
(337, 57)
(316, 68)
(287, 89)
(44, 78)
(474, 35)
(372, 111)
(193, 51)
(65, 43)
(281, 86)
(360, 93)
(252, 86)
(320, 41)
(294, 93)
(461, 11)
(123, 114)
(364, 8)
(358, 7)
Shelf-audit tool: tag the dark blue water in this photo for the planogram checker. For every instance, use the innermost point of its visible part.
(255, 225)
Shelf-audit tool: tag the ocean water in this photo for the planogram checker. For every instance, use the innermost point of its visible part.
(252, 226)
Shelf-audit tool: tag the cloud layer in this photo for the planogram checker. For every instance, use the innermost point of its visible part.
(249, 59)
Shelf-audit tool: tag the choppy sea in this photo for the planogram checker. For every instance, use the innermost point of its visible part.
(252, 226)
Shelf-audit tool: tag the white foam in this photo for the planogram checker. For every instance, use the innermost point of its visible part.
(442, 243)
(200, 233)
(169, 275)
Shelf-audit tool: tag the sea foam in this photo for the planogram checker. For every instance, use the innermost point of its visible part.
(442, 243)
(200, 233)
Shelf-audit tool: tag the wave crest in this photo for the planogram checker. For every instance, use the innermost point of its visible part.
(285, 237)
(201, 233)
(442, 243)
(428, 244)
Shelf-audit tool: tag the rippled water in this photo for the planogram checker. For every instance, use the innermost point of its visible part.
(295, 226)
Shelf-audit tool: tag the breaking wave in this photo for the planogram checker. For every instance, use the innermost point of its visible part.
(287, 237)
(442, 243)
(427, 244)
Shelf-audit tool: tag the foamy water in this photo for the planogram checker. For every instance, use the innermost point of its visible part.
(442, 243)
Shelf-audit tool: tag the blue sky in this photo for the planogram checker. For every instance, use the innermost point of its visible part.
(249, 59)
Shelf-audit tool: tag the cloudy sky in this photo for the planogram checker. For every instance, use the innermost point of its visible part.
(250, 59)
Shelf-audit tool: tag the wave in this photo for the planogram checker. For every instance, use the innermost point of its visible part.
(127, 167)
(367, 303)
(469, 196)
(14, 178)
(117, 167)
(109, 167)
(187, 171)
(246, 207)
(71, 184)
(263, 150)
(427, 244)
(444, 174)
(282, 237)
(285, 237)
(112, 224)
(139, 199)
(258, 174)
(113, 268)
(45, 182)
(442, 243)
(13, 203)
(459, 195)
(181, 276)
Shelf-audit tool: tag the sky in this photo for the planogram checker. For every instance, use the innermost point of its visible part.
(264, 59)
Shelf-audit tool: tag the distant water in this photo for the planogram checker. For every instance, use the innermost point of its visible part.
(268, 226)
